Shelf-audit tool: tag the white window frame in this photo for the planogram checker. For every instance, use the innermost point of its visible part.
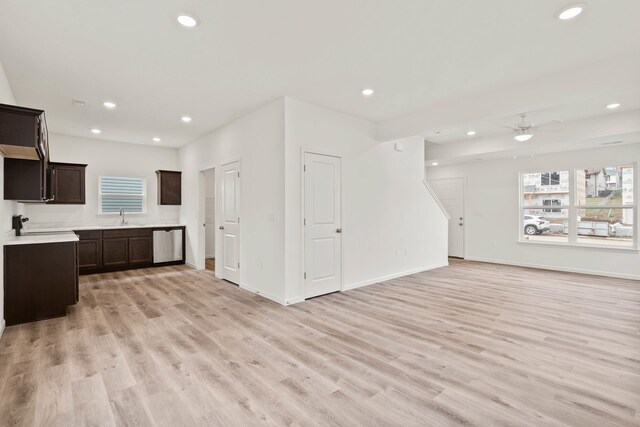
(573, 207)
(144, 195)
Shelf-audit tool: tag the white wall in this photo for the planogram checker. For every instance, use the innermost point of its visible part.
(106, 158)
(257, 139)
(392, 226)
(7, 208)
(492, 216)
(210, 213)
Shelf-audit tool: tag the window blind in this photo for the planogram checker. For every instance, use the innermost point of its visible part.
(122, 192)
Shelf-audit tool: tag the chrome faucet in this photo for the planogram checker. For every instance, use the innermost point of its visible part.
(123, 222)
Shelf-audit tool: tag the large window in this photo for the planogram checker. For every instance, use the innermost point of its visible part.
(591, 207)
(119, 192)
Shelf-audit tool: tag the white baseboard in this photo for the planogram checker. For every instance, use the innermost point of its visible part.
(295, 300)
(2, 327)
(275, 298)
(557, 268)
(392, 276)
(193, 266)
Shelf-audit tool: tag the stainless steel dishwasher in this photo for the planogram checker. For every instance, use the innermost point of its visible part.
(167, 245)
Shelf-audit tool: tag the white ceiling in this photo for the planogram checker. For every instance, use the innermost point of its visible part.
(423, 58)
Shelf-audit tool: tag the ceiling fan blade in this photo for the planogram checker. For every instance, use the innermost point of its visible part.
(545, 129)
(513, 128)
(551, 124)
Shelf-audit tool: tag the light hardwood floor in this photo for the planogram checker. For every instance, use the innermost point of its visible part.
(472, 343)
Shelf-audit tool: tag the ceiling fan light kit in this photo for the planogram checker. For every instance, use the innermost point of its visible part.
(523, 137)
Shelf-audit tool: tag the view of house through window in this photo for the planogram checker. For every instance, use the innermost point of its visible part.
(598, 208)
(541, 191)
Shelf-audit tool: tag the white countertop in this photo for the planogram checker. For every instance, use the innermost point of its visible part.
(57, 237)
(55, 229)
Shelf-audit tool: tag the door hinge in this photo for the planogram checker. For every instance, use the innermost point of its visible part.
(238, 265)
(305, 276)
(238, 174)
(238, 220)
(305, 168)
(304, 221)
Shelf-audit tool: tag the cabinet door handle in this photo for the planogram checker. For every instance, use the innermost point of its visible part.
(221, 227)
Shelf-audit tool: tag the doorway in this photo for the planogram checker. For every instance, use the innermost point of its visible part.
(451, 194)
(229, 257)
(210, 219)
(322, 183)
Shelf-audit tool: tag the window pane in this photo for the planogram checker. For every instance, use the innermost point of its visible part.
(547, 227)
(604, 186)
(545, 189)
(606, 226)
(121, 193)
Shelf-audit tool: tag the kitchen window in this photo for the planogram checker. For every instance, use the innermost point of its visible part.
(119, 192)
(595, 207)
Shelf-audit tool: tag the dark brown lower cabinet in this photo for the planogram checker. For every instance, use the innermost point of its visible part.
(115, 249)
(89, 249)
(115, 252)
(141, 250)
(40, 281)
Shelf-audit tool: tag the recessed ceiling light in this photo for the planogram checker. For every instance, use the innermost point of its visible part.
(471, 133)
(613, 106)
(571, 11)
(109, 104)
(186, 119)
(96, 131)
(434, 164)
(187, 21)
(367, 92)
(156, 139)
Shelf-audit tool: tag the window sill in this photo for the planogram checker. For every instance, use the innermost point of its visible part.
(581, 246)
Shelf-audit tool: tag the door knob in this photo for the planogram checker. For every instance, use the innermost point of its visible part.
(339, 230)
(221, 227)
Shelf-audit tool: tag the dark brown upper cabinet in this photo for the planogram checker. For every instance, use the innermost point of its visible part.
(24, 144)
(67, 182)
(169, 187)
(23, 133)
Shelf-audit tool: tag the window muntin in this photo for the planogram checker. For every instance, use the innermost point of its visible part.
(116, 192)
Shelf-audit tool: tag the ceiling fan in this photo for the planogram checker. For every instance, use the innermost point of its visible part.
(524, 130)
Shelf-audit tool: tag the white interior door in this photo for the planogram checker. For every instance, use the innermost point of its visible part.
(230, 227)
(451, 194)
(322, 224)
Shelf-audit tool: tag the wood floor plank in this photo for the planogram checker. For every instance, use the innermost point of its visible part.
(467, 344)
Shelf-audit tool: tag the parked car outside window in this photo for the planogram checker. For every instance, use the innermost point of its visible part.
(535, 225)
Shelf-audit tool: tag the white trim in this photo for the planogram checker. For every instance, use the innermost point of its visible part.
(580, 246)
(393, 276)
(2, 325)
(556, 268)
(436, 198)
(275, 298)
(195, 267)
